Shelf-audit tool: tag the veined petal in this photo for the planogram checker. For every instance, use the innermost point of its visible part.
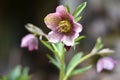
(52, 20)
(54, 36)
(77, 27)
(63, 12)
(68, 40)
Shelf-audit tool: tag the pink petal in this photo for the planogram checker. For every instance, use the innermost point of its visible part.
(77, 27)
(33, 44)
(105, 63)
(62, 11)
(68, 40)
(30, 48)
(25, 39)
(30, 41)
(109, 63)
(54, 36)
(99, 66)
(52, 20)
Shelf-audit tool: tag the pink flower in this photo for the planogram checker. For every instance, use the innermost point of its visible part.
(105, 63)
(30, 41)
(63, 26)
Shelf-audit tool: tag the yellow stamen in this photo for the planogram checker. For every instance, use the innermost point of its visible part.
(64, 26)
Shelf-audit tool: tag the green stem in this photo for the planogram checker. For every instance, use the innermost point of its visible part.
(80, 61)
(62, 67)
(61, 72)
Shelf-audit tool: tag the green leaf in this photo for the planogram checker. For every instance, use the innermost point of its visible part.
(24, 74)
(68, 8)
(79, 9)
(54, 61)
(81, 70)
(16, 72)
(3, 77)
(51, 46)
(77, 41)
(35, 30)
(74, 60)
(79, 38)
(78, 18)
(60, 48)
(99, 44)
(25, 71)
(23, 78)
(47, 44)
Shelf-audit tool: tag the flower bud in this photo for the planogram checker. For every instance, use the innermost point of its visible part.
(106, 51)
(30, 41)
(105, 63)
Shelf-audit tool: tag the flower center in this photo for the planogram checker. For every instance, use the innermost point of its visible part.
(64, 26)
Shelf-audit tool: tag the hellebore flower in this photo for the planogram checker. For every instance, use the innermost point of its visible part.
(63, 26)
(105, 63)
(30, 41)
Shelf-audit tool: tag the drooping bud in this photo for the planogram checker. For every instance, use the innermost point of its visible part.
(30, 41)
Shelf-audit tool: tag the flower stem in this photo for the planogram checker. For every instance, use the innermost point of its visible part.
(62, 67)
(61, 72)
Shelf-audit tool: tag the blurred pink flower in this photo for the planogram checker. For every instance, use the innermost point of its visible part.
(30, 41)
(63, 26)
(105, 63)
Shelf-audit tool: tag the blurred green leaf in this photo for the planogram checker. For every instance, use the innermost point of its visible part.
(78, 18)
(60, 48)
(54, 61)
(25, 71)
(68, 8)
(24, 74)
(79, 9)
(98, 46)
(81, 70)
(3, 77)
(47, 44)
(74, 60)
(16, 72)
(79, 38)
(24, 78)
(19, 73)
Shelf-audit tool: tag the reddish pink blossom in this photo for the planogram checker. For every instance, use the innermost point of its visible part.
(105, 63)
(63, 26)
(30, 41)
